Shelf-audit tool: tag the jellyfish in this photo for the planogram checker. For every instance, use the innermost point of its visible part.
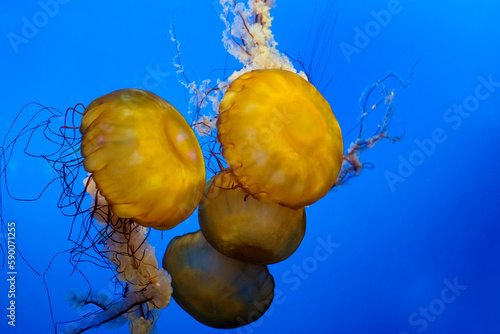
(245, 228)
(214, 289)
(146, 171)
(280, 138)
(144, 157)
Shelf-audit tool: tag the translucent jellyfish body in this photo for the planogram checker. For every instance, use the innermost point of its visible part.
(214, 289)
(143, 156)
(280, 137)
(245, 228)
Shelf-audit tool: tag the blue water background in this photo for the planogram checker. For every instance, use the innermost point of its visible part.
(398, 245)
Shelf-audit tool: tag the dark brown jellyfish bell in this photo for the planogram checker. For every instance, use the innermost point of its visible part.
(214, 289)
(245, 228)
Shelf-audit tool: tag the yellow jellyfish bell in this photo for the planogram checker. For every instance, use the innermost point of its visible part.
(280, 137)
(245, 228)
(143, 156)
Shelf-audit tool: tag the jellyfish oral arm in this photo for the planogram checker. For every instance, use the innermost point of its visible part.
(249, 39)
(127, 304)
(251, 25)
(147, 294)
(129, 251)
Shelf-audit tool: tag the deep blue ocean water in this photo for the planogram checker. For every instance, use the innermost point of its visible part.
(410, 246)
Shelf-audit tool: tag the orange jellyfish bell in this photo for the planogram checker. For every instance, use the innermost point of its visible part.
(245, 228)
(143, 156)
(280, 137)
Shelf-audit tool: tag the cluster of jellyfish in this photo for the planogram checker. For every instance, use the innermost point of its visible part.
(281, 150)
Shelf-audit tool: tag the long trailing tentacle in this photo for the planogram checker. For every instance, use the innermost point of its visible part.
(352, 163)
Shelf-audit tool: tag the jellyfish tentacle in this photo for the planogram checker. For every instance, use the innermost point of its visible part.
(352, 164)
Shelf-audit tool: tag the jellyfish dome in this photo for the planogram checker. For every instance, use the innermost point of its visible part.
(143, 156)
(280, 137)
(245, 228)
(214, 289)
